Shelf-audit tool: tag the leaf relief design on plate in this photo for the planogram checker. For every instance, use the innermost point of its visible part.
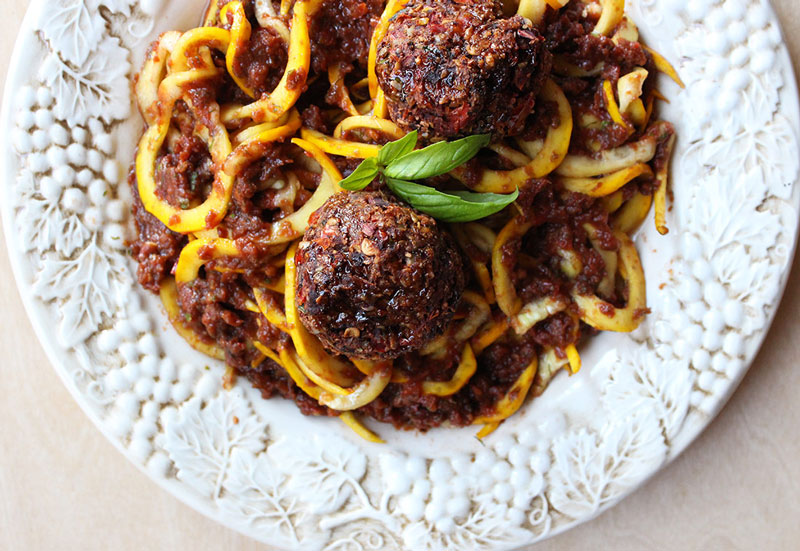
(364, 538)
(114, 6)
(486, 527)
(592, 468)
(329, 473)
(89, 282)
(201, 439)
(68, 215)
(737, 160)
(726, 53)
(642, 381)
(97, 88)
(736, 248)
(41, 222)
(723, 224)
(256, 492)
(73, 29)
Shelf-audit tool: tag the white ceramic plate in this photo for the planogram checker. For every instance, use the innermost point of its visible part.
(68, 128)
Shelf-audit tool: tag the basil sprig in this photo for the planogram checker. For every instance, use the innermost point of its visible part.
(362, 176)
(398, 162)
(396, 149)
(453, 206)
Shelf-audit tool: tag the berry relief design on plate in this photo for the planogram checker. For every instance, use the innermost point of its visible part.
(713, 286)
(734, 192)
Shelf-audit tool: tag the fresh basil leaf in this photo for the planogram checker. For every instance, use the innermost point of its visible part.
(398, 148)
(361, 176)
(456, 206)
(436, 159)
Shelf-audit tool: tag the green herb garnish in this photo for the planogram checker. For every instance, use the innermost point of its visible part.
(362, 176)
(453, 206)
(436, 159)
(395, 150)
(398, 163)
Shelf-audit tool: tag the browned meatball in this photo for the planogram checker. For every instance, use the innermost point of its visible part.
(375, 278)
(456, 67)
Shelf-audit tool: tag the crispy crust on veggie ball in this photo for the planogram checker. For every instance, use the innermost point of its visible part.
(375, 278)
(452, 68)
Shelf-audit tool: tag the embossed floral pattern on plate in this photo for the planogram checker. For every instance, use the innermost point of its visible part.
(298, 483)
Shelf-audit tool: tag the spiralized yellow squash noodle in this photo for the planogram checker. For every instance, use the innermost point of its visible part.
(253, 119)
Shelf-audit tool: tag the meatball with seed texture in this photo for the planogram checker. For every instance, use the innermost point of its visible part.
(375, 278)
(453, 68)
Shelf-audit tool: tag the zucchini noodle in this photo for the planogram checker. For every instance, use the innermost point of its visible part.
(492, 331)
(338, 146)
(169, 299)
(462, 330)
(465, 370)
(660, 197)
(254, 147)
(504, 290)
(511, 402)
(632, 213)
(392, 7)
(665, 66)
(336, 78)
(477, 259)
(367, 122)
(239, 37)
(270, 309)
(611, 160)
(553, 152)
(309, 350)
(351, 421)
(536, 311)
(211, 212)
(613, 108)
(610, 16)
(629, 88)
(599, 155)
(573, 358)
(533, 10)
(602, 315)
(606, 185)
(272, 106)
(198, 253)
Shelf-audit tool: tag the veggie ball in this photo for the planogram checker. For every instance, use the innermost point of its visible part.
(375, 278)
(452, 68)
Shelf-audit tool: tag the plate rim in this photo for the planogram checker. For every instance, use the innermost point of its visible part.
(35, 310)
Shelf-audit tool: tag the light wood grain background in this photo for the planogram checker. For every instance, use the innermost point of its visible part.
(62, 486)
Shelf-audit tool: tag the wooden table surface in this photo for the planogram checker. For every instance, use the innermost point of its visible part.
(63, 486)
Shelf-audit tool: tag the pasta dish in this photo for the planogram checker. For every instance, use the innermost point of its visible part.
(409, 210)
